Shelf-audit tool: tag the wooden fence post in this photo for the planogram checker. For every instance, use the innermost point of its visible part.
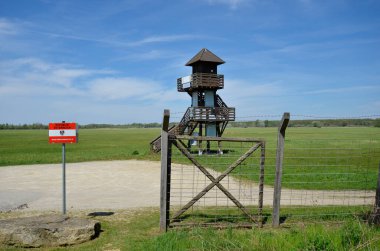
(375, 217)
(377, 201)
(279, 160)
(165, 173)
(261, 184)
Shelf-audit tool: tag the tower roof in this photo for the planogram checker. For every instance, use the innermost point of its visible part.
(205, 55)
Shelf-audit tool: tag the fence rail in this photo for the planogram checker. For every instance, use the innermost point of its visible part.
(200, 80)
(212, 113)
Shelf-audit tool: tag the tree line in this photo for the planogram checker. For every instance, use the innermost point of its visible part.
(310, 123)
(241, 124)
(88, 126)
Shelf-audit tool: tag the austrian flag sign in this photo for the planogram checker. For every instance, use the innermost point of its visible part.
(63, 133)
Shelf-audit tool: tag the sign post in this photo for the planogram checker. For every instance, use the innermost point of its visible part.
(63, 133)
(64, 178)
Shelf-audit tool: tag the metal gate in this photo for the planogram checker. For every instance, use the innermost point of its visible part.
(219, 186)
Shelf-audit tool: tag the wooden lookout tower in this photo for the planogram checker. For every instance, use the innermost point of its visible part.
(208, 114)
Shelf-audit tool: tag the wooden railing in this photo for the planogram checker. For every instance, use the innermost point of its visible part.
(201, 80)
(174, 130)
(193, 115)
(212, 114)
(181, 127)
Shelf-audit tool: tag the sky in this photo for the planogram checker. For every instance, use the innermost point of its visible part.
(118, 61)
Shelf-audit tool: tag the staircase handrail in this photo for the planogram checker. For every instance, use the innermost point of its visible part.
(220, 102)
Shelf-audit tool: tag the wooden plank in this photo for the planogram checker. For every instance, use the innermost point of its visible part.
(377, 200)
(212, 225)
(212, 113)
(261, 184)
(375, 217)
(165, 173)
(210, 138)
(279, 161)
(182, 143)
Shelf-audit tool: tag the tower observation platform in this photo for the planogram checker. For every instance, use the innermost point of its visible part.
(208, 114)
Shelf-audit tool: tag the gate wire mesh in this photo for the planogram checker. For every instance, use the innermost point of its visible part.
(215, 208)
(328, 172)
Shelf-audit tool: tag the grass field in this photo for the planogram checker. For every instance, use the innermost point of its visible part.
(355, 151)
(315, 158)
(138, 230)
(20, 147)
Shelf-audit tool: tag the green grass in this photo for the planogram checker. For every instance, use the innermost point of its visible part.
(138, 230)
(315, 158)
(19, 147)
(289, 214)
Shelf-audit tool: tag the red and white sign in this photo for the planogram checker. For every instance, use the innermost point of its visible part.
(63, 133)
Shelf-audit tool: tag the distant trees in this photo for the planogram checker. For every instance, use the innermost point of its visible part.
(89, 126)
(241, 124)
(309, 123)
(24, 126)
(317, 124)
(133, 125)
(377, 123)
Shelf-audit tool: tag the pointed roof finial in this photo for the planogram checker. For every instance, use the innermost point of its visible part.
(205, 55)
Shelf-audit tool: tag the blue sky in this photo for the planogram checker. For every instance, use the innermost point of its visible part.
(118, 61)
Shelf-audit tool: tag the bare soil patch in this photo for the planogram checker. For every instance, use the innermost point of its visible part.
(128, 184)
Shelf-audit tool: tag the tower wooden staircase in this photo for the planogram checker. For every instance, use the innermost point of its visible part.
(193, 115)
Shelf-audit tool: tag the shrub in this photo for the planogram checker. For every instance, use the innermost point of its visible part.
(351, 234)
(317, 238)
(377, 123)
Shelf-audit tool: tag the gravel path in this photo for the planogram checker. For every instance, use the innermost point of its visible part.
(126, 184)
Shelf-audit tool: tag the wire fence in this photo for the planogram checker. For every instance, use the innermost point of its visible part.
(328, 172)
(244, 117)
(214, 185)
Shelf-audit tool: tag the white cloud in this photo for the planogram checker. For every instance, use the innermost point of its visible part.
(165, 38)
(150, 55)
(247, 97)
(112, 42)
(32, 76)
(33, 63)
(7, 27)
(238, 88)
(233, 4)
(126, 43)
(124, 88)
(67, 76)
(376, 104)
(153, 54)
(343, 89)
(165, 96)
(33, 90)
(112, 88)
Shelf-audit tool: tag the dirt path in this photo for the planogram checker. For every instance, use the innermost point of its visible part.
(130, 184)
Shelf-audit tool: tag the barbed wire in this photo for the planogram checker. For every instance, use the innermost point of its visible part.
(300, 116)
(337, 117)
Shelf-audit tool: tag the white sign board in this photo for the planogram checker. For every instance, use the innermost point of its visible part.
(186, 81)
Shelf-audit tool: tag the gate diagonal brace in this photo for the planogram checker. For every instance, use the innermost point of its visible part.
(215, 182)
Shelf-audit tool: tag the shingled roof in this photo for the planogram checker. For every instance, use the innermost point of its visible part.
(206, 56)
